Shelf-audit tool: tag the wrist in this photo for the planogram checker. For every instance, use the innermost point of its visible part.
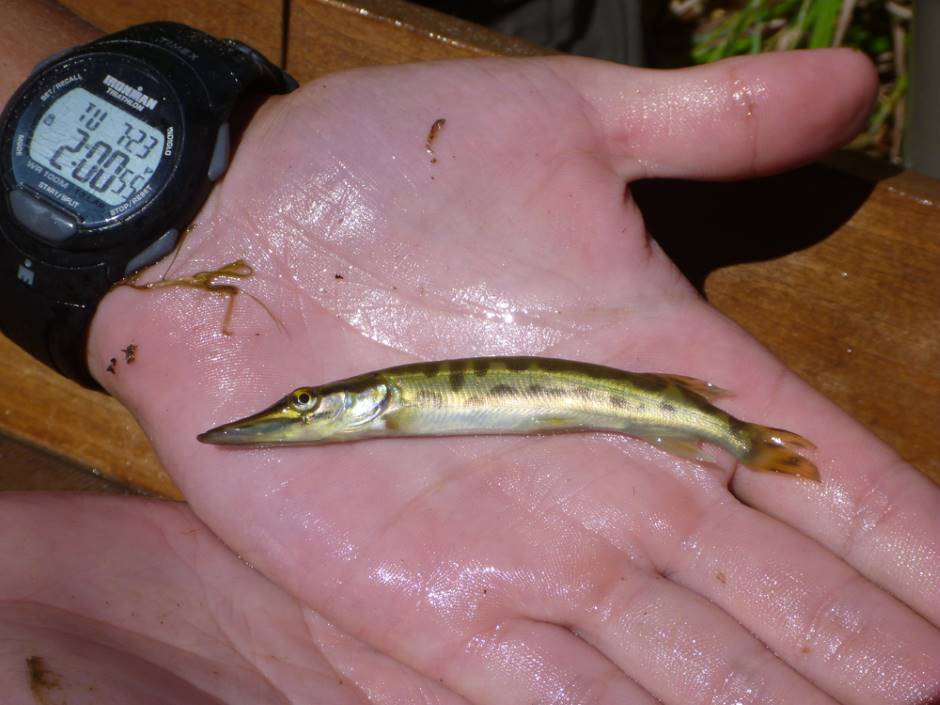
(24, 46)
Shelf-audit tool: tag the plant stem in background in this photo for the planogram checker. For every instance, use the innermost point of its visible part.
(880, 28)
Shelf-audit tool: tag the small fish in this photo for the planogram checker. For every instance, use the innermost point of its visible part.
(518, 395)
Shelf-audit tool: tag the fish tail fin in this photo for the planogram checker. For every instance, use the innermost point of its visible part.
(767, 450)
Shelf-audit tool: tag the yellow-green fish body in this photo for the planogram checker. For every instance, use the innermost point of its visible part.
(517, 395)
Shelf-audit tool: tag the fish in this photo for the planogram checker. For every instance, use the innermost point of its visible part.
(519, 395)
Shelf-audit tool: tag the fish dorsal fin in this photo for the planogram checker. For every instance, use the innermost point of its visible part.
(704, 389)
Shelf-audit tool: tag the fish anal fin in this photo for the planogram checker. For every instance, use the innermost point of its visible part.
(682, 447)
(697, 386)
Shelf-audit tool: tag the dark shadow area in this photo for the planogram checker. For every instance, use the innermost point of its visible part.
(605, 29)
(706, 226)
(485, 12)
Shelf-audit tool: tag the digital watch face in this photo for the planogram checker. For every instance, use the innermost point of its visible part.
(101, 149)
(96, 142)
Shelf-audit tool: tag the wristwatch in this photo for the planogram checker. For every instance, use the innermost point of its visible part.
(107, 152)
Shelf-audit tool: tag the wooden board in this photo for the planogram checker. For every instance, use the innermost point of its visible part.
(838, 273)
(256, 22)
(90, 429)
(27, 468)
(329, 35)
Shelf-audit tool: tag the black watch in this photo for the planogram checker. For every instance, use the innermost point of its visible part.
(107, 152)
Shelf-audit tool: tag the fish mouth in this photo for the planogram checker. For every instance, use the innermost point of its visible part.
(266, 428)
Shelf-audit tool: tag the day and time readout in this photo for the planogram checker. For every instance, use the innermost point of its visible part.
(98, 147)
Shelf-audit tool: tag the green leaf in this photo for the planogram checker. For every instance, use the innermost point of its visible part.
(825, 14)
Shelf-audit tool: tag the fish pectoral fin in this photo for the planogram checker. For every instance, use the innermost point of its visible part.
(683, 447)
(698, 386)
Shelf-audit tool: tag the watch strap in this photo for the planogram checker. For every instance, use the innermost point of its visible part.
(51, 331)
(227, 67)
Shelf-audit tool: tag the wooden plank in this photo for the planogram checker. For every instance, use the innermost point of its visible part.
(257, 22)
(27, 468)
(90, 429)
(331, 35)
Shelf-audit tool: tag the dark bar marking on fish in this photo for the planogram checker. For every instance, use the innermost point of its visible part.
(457, 380)
(553, 365)
(583, 393)
(501, 390)
(481, 366)
(692, 398)
(618, 401)
(598, 372)
(518, 364)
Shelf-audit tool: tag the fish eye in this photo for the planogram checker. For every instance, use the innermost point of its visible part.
(303, 400)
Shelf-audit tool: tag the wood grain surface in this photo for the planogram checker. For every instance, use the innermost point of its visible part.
(328, 35)
(836, 270)
(257, 22)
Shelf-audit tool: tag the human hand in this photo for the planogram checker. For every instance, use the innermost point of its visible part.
(574, 568)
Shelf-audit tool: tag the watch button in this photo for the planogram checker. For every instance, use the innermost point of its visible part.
(220, 154)
(44, 221)
(157, 249)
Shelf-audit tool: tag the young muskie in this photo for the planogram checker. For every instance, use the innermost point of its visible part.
(498, 395)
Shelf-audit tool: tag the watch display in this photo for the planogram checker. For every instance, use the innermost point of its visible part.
(96, 142)
(97, 146)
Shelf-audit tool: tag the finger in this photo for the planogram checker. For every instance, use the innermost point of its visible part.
(873, 510)
(733, 119)
(686, 650)
(521, 661)
(381, 679)
(842, 632)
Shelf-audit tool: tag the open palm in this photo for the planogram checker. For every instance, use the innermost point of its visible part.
(579, 568)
